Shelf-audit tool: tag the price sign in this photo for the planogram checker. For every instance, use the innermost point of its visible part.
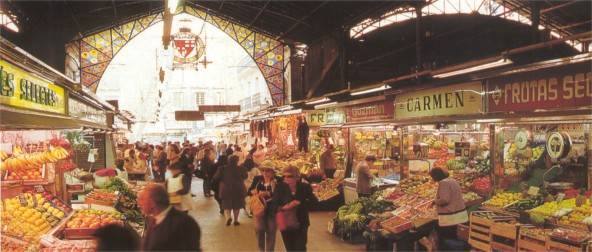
(39, 189)
(22, 200)
(462, 149)
(560, 197)
(521, 139)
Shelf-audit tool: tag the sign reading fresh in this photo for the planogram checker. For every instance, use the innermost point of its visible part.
(460, 99)
(326, 117)
(21, 89)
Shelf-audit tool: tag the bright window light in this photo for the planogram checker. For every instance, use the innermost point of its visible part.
(8, 22)
(443, 7)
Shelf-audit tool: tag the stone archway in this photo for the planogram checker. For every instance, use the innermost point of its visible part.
(88, 57)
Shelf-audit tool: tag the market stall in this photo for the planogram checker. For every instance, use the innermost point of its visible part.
(44, 119)
(371, 134)
(326, 129)
(541, 163)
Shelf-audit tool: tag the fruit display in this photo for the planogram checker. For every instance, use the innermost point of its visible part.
(576, 217)
(127, 203)
(502, 199)
(410, 184)
(28, 216)
(354, 216)
(304, 162)
(327, 189)
(454, 164)
(32, 161)
(553, 208)
(101, 197)
(93, 219)
(575, 236)
(470, 196)
(537, 152)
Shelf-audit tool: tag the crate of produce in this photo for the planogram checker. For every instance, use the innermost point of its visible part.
(562, 239)
(396, 224)
(481, 223)
(531, 238)
(99, 197)
(84, 223)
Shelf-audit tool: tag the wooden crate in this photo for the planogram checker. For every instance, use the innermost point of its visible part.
(79, 233)
(558, 246)
(503, 236)
(530, 243)
(480, 236)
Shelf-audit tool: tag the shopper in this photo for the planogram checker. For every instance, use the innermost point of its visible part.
(178, 186)
(450, 207)
(115, 237)
(252, 172)
(207, 171)
(327, 162)
(302, 133)
(130, 160)
(221, 148)
(263, 187)
(161, 163)
(121, 172)
(238, 151)
(232, 189)
(364, 176)
(294, 195)
(259, 155)
(166, 227)
(215, 181)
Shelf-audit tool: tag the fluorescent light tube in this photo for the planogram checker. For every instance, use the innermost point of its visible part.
(320, 106)
(284, 108)
(325, 99)
(371, 90)
(501, 62)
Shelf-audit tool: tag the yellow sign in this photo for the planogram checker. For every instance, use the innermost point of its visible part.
(21, 89)
(316, 118)
(459, 99)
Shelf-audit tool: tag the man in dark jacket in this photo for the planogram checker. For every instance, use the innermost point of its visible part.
(166, 228)
(302, 133)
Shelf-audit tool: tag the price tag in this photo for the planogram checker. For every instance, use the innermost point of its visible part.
(560, 197)
(39, 189)
(22, 200)
(533, 190)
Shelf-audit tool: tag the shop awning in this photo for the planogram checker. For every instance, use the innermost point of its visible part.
(11, 118)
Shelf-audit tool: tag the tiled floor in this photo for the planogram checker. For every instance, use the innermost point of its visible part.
(218, 237)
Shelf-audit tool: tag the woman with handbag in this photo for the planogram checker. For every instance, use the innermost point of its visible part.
(292, 199)
(261, 191)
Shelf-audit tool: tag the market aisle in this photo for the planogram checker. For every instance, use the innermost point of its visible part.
(218, 237)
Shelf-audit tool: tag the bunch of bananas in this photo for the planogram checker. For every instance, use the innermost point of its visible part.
(30, 161)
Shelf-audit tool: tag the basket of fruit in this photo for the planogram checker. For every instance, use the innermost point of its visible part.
(85, 222)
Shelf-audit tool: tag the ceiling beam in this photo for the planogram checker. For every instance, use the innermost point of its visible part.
(114, 9)
(574, 25)
(258, 14)
(270, 11)
(312, 12)
(559, 6)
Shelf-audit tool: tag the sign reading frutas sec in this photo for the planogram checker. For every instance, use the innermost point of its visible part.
(562, 87)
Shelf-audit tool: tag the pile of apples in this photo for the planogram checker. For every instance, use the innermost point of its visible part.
(93, 219)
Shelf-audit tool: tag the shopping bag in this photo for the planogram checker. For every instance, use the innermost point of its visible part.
(257, 206)
(287, 220)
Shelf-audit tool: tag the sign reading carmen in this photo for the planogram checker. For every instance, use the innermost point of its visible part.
(442, 101)
(560, 87)
(19, 88)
